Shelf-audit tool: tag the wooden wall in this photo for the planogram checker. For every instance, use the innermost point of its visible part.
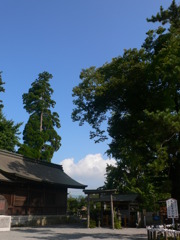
(34, 199)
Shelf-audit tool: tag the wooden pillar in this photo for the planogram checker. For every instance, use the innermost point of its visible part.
(102, 215)
(88, 212)
(155, 234)
(125, 221)
(112, 212)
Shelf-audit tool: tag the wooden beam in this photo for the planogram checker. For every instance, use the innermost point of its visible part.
(112, 211)
(88, 212)
(95, 191)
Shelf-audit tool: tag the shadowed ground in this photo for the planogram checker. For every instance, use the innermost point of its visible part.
(66, 232)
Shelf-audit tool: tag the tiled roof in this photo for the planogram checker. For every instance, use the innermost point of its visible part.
(14, 166)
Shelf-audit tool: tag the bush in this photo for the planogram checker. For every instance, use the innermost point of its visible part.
(117, 223)
(92, 224)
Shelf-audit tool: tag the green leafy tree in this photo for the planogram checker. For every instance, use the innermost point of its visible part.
(164, 46)
(40, 137)
(138, 95)
(74, 205)
(9, 131)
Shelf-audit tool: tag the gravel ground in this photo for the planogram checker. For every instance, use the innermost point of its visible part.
(66, 232)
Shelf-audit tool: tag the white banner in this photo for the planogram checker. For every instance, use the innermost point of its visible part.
(172, 208)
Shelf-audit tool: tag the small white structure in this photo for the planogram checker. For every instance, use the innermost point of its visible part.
(5, 223)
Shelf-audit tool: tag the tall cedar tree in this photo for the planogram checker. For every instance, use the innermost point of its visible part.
(9, 131)
(40, 137)
(138, 95)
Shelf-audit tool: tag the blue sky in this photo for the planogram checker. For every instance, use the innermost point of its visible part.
(63, 37)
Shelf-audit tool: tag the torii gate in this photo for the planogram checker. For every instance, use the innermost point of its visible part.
(108, 192)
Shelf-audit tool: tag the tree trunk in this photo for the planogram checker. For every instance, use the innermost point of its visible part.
(41, 121)
(175, 178)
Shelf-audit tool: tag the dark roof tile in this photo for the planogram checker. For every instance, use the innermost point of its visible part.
(12, 164)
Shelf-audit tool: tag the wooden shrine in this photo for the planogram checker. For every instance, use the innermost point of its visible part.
(33, 187)
(125, 206)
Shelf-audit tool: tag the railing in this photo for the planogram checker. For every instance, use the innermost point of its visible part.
(162, 233)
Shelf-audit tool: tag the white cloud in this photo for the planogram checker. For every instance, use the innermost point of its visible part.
(88, 171)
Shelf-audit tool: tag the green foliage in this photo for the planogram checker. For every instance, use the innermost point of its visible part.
(168, 238)
(117, 222)
(138, 96)
(161, 237)
(8, 134)
(92, 223)
(74, 205)
(40, 137)
(9, 131)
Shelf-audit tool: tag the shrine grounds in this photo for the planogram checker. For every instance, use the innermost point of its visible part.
(73, 232)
